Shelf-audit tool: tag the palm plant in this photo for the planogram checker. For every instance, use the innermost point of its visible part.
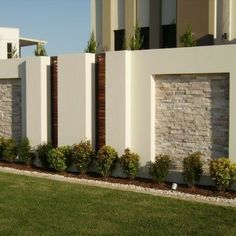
(136, 41)
(187, 39)
(92, 44)
(40, 50)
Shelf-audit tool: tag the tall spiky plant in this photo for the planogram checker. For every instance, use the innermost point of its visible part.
(92, 44)
(187, 39)
(14, 53)
(136, 41)
(40, 50)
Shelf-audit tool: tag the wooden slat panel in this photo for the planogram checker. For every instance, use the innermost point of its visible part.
(100, 101)
(54, 101)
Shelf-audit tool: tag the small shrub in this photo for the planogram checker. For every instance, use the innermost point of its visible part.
(83, 154)
(68, 154)
(192, 169)
(106, 159)
(130, 163)
(24, 151)
(8, 149)
(2, 146)
(159, 169)
(223, 173)
(43, 150)
(56, 160)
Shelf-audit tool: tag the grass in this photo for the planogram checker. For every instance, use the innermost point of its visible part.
(32, 206)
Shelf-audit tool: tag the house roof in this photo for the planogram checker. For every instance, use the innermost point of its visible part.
(30, 42)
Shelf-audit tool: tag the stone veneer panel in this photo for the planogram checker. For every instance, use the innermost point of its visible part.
(192, 114)
(10, 108)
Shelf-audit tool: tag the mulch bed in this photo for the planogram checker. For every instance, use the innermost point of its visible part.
(209, 191)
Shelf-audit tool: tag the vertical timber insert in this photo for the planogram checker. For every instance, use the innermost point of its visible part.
(100, 101)
(54, 101)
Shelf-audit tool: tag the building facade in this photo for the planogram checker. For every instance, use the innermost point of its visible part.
(11, 42)
(162, 22)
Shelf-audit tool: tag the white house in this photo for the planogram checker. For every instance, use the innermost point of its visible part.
(11, 42)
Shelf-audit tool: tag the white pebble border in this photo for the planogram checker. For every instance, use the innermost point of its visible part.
(127, 187)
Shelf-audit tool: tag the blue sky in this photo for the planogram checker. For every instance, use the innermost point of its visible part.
(64, 24)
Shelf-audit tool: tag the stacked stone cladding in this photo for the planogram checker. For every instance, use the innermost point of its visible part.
(10, 108)
(192, 114)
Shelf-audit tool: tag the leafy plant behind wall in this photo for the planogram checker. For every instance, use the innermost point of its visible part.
(92, 44)
(187, 39)
(40, 50)
(136, 41)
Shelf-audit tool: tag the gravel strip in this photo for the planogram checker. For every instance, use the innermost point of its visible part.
(166, 193)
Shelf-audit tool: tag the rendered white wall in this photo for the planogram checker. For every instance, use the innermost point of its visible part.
(143, 65)
(8, 35)
(75, 98)
(118, 95)
(37, 95)
(34, 74)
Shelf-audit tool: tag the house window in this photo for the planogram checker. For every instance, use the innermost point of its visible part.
(169, 36)
(9, 50)
(119, 39)
(145, 35)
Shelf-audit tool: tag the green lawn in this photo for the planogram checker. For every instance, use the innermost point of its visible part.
(32, 206)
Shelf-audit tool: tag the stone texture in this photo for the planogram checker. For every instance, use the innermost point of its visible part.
(192, 114)
(10, 108)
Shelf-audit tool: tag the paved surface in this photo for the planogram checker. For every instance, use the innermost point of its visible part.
(164, 193)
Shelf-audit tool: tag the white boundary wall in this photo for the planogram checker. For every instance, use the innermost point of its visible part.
(130, 91)
(33, 72)
(76, 98)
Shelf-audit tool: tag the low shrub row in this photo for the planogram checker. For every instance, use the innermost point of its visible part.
(82, 155)
(11, 151)
(222, 171)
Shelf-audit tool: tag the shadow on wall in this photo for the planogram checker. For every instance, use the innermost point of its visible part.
(93, 107)
(220, 115)
(22, 76)
(16, 115)
(49, 101)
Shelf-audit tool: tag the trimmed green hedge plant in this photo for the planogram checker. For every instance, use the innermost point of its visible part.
(106, 159)
(83, 154)
(56, 160)
(192, 169)
(68, 154)
(130, 163)
(43, 151)
(223, 173)
(160, 168)
(2, 146)
(24, 151)
(8, 149)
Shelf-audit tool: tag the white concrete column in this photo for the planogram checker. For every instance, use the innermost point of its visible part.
(76, 81)
(232, 117)
(118, 95)
(37, 99)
